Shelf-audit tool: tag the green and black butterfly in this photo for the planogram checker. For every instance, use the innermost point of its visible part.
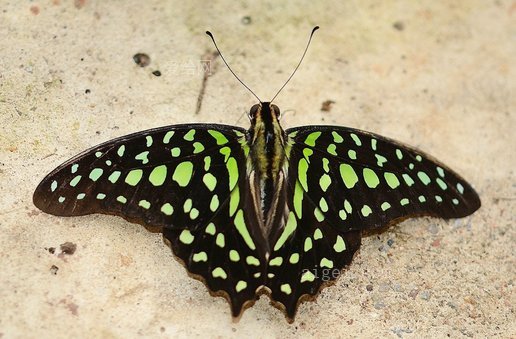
(259, 210)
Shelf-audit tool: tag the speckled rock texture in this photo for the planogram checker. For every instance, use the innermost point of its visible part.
(438, 75)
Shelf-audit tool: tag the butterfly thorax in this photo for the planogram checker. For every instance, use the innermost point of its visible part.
(267, 158)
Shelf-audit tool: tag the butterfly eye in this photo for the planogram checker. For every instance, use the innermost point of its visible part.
(276, 111)
(254, 110)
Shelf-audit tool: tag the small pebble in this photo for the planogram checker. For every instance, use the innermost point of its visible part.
(369, 287)
(246, 20)
(379, 305)
(433, 228)
(142, 59)
(54, 269)
(413, 293)
(425, 295)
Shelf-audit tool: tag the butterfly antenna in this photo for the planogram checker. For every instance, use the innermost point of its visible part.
(302, 57)
(222, 57)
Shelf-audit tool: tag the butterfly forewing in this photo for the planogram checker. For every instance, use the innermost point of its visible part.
(367, 180)
(146, 176)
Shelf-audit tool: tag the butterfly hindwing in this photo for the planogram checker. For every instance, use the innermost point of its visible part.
(226, 252)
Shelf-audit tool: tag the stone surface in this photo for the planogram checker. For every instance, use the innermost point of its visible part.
(438, 75)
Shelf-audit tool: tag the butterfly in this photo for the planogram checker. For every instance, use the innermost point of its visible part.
(263, 210)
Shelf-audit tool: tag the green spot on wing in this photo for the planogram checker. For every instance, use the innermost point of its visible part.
(318, 234)
(460, 188)
(232, 168)
(308, 244)
(242, 229)
(298, 199)
(302, 171)
(348, 175)
(366, 211)
(425, 179)
(352, 154)
(121, 151)
(440, 171)
(339, 245)
(332, 149)
(201, 256)
(186, 237)
(143, 157)
(370, 178)
(408, 179)
(325, 182)
(198, 147)
(175, 152)
(148, 140)
(356, 139)
(220, 240)
(210, 181)
(337, 137)
(294, 258)
(311, 138)
(144, 203)
(183, 173)
(385, 206)
(168, 135)
(96, 173)
(441, 183)
(214, 203)
(234, 200)
(210, 229)
(234, 256)
(240, 286)
(276, 261)
(167, 209)
(285, 288)
(187, 206)
(250, 260)
(134, 177)
(290, 227)
(399, 155)
(219, 137)
(326, 263)
(219, 273)
(380, 160)
(158, 175)
(307, 276)
(391, 179)
(189, 136)
(75, 180)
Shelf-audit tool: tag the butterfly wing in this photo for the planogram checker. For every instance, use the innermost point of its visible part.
(186, 179)
(342, 181)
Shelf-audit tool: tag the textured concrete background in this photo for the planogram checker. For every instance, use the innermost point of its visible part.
(436, 75)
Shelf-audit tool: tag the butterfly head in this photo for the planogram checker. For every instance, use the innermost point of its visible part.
(264, 111)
